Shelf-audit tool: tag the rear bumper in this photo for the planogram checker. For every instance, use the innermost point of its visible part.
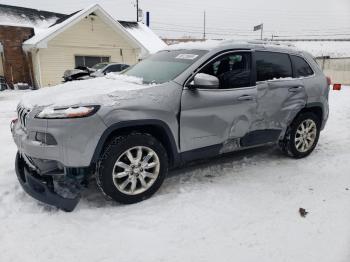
(42, 188)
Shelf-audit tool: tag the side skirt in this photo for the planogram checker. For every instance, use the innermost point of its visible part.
(251, 140)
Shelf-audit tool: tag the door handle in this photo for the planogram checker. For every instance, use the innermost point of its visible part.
(245, 98)
(295, 88)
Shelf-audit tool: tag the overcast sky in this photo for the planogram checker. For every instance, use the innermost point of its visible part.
(225, 18)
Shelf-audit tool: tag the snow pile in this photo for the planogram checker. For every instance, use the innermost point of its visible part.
(146, 37)
(92, 91)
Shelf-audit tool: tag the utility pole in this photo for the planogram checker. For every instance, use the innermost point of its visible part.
(137, 10)
(204, 25)
(262, 29)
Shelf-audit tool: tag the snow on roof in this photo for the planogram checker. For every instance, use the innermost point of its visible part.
(333, 49)
(140, 35)
(48, 24)
(200, 45)
(237, 43)
(40, 36)
(27, 17)
(145, 36)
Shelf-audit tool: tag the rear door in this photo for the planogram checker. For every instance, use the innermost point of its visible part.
(216, 116)
(280, 96)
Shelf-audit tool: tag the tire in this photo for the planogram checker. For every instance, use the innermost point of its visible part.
(116, 173)
(293, 144)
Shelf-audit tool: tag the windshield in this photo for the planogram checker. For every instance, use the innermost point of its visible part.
(164, 65)
(99, 66)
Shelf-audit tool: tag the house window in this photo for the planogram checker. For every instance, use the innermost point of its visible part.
(90, 61)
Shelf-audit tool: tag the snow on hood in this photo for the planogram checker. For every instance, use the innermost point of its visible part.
(92, 91)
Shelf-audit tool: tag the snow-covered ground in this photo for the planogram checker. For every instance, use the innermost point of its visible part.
(240, 207)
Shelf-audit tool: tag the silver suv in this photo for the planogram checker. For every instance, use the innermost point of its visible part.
(184, 103)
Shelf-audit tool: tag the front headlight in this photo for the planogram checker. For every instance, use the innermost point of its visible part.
(67, 112)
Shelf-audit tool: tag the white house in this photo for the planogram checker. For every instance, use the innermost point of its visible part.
(85, 37)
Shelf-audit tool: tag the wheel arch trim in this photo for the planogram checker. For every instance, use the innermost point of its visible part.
(175, 157)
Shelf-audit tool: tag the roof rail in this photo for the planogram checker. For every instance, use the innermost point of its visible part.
(270, 42)
(260, 42)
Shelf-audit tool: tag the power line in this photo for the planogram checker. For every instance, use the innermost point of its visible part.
(311, 35)
(200, 32)
(247, 34)
(338, 29)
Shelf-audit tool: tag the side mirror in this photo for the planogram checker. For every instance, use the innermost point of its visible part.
(205, 81)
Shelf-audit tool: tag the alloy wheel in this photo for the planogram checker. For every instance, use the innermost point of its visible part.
(136, 170)
(305, 135)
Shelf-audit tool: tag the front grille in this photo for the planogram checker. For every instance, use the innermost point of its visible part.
(22, 113)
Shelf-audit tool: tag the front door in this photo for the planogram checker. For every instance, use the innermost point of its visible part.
(215, 116)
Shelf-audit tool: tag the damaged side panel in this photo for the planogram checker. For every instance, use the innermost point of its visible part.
(211, 117)
(279, 101)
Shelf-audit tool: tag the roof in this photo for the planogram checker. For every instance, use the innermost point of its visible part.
(48, 24)
(144, 35)
(27, 17)
(331, 48)
(237, 44)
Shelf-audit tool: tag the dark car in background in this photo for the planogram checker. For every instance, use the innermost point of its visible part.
(105, 68)
(98, 70)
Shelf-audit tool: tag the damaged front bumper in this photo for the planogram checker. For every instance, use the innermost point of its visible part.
(46, 188)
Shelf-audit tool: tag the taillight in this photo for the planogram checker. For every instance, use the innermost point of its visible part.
(337, 87)
(329, 81)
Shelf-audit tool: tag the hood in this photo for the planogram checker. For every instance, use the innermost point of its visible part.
(101, 90)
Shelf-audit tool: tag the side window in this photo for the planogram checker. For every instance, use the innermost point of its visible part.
(270, 65)
(125, 67)
(301, 67)
(233, 70)
(113, 68)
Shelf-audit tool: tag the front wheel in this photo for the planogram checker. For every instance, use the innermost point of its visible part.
(302, 135)
(132, 168)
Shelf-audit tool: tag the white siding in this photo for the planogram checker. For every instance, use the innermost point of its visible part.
(36, 68)
(90, 36)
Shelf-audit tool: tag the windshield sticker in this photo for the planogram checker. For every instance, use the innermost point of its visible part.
(187, 56)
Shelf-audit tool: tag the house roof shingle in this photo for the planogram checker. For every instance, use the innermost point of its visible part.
(27, 16)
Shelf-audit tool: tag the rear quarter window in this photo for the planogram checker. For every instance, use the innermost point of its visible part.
(301, 67)
(271, 65)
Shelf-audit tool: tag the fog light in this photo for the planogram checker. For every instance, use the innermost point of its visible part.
(45, 138)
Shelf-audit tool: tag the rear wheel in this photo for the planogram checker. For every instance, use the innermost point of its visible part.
(132, 168)
(302, 136)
